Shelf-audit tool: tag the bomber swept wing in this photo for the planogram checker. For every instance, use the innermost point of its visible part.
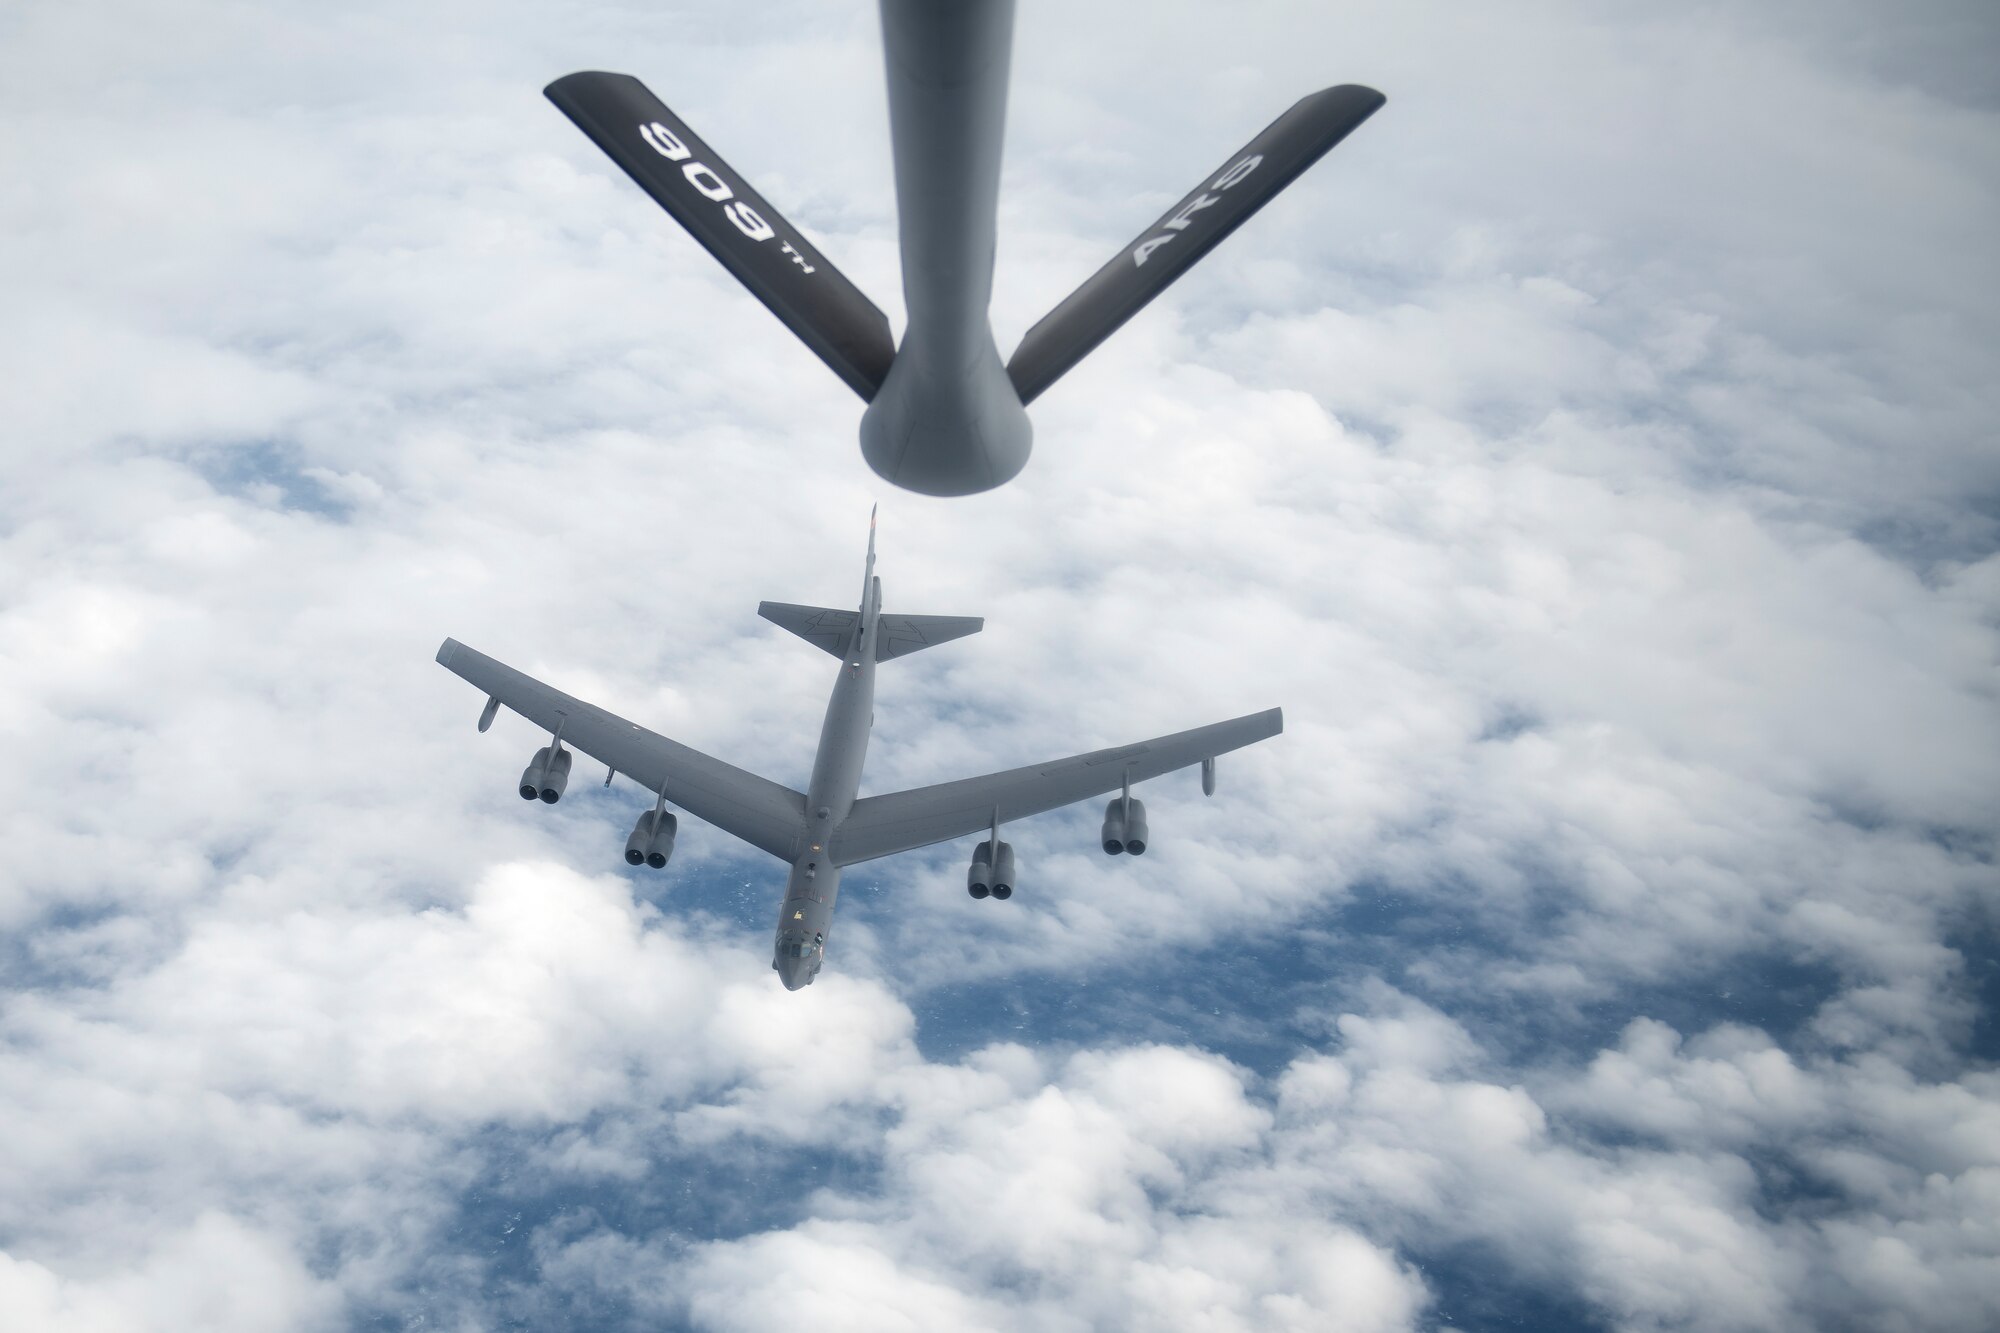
(905, 820)
(831, 825)
(772, 817)
(764, 814)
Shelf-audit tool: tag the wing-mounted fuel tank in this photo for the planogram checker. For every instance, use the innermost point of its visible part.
(652, 840)
(546, 774)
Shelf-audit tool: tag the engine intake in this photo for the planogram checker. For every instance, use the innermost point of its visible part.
(546, 775)
(652, 840)
(991, 874)
(1003, 872)
(1135, 827)
(1124, 826)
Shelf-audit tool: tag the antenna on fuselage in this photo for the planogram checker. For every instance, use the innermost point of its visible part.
(868, 575)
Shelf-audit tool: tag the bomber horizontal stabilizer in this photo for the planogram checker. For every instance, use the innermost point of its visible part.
(899, 636)
(733, 222)
(1193, 227)
(823, 627)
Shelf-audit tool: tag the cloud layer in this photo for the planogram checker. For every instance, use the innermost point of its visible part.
(1593, 457)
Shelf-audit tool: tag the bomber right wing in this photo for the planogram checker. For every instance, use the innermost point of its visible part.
(905, 820)
(761, 812)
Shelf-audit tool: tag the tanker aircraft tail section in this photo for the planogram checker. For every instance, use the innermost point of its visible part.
(945, 415)
(733, 222)
(1190, 229)
(829, 825)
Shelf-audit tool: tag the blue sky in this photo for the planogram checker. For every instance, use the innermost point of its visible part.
(1593, 456)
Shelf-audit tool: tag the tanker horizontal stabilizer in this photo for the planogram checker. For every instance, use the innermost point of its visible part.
(1193, 227)
(733, 222)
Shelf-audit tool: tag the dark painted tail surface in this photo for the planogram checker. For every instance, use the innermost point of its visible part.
(1193, 227)
(733, 222)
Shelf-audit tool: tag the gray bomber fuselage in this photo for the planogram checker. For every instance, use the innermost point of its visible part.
(813, 889)
(947, 420)
(818, 831)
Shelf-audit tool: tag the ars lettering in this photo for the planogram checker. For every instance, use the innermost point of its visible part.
(1184, 215)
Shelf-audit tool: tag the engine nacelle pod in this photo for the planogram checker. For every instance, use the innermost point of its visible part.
(652, 841)
(979, 878)
(546, 775)
(1135, 827)
(531, 776)
(1113, 836)
(663, 841)
(1003, 872)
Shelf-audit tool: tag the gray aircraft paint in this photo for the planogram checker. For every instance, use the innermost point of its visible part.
(944, 416)
(814, 887)
(947, 420)
(830, 825)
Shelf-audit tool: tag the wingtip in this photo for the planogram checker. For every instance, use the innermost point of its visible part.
(1359, 95)
(576, 74)
(445, 651)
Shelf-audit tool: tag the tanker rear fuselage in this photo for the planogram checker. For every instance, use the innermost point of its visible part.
(947, 420)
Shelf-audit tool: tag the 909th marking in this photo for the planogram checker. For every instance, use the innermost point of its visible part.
(711, 186)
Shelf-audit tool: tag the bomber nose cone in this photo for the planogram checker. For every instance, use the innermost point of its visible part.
(796, 972)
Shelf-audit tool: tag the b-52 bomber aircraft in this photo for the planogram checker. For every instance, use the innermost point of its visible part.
(944, 416)
(828, 827)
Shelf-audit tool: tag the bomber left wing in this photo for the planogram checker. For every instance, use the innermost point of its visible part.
(763, 813)
(905, 820)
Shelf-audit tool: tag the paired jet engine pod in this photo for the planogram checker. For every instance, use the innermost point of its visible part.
(1124, 826)
(990, 874)
(652, 840)
(546, 775)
